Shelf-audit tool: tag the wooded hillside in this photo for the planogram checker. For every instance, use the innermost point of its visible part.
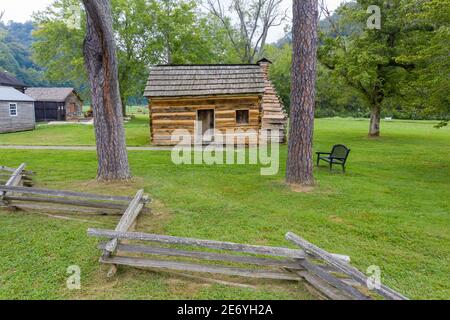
(15, 52)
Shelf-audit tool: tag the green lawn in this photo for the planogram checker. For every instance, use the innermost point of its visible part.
(137, 131)
(391, 209)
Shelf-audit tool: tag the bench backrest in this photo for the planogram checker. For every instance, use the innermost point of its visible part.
(340, 152)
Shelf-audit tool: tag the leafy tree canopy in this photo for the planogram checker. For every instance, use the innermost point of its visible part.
(392, 68)
(148, 32)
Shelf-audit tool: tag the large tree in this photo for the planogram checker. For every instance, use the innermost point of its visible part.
(299, 169)
(101, 64)
(390, 66)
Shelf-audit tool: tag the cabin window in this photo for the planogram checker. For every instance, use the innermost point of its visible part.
(13, 109)
(242, 116)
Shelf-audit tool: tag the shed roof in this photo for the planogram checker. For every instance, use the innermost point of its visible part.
(49, 94)
(204, 80)
(8, 80)
(12, 95)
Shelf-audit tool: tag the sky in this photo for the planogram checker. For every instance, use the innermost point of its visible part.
(21, 11)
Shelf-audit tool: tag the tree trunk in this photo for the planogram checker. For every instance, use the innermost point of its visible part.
(299, 169)
(124, 104)
(101, 63)
(375, 119)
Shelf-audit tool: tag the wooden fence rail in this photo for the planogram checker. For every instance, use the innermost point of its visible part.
(182, 266)
(15, 178)
(59, 193)
(159, 251)
(7, 169)
(342, 267)
(278, 263)
(211, 244)
(126, 223)
(15, 196)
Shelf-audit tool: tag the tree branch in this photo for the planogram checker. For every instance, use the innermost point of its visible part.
(255, 17)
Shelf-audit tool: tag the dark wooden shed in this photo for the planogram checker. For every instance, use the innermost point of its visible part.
(231, 98)
(56, 104)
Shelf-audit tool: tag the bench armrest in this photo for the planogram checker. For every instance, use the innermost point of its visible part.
(319, 153)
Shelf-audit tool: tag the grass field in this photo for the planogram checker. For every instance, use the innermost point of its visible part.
(391, 209)
(137, 130)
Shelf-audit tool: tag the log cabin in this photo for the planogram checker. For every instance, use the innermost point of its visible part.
(230, 99)
(56, 104)
(16, 111)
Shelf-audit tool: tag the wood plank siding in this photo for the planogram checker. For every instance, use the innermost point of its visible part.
(23, 121)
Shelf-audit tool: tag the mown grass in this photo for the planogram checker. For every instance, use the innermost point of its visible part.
(137, 132)
(391, 209)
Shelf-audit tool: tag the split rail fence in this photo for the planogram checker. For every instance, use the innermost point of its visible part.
(17, 193)
(330, 275)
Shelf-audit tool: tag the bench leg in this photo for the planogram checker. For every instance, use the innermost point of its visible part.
(331, 166)
(343, 168)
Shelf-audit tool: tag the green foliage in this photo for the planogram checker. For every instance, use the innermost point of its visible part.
(337, 99)
(402, 68)
(133, 27)
(184, 35)
(15, 57)
(58, 49)
(280, 70)
(429, 51)
(147, 33)
(332, 97)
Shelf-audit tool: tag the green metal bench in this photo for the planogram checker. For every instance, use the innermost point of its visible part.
(338, 156)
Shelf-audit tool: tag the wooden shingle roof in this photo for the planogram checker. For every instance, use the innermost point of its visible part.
(204, 80)
(49, 94)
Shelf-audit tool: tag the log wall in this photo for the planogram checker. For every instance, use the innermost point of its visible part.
(170, 114)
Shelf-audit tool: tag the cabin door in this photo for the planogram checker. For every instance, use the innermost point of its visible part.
(205, 121)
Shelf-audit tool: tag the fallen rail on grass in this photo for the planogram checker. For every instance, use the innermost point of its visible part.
(17, 193)
(342, 267)
(64, 201)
